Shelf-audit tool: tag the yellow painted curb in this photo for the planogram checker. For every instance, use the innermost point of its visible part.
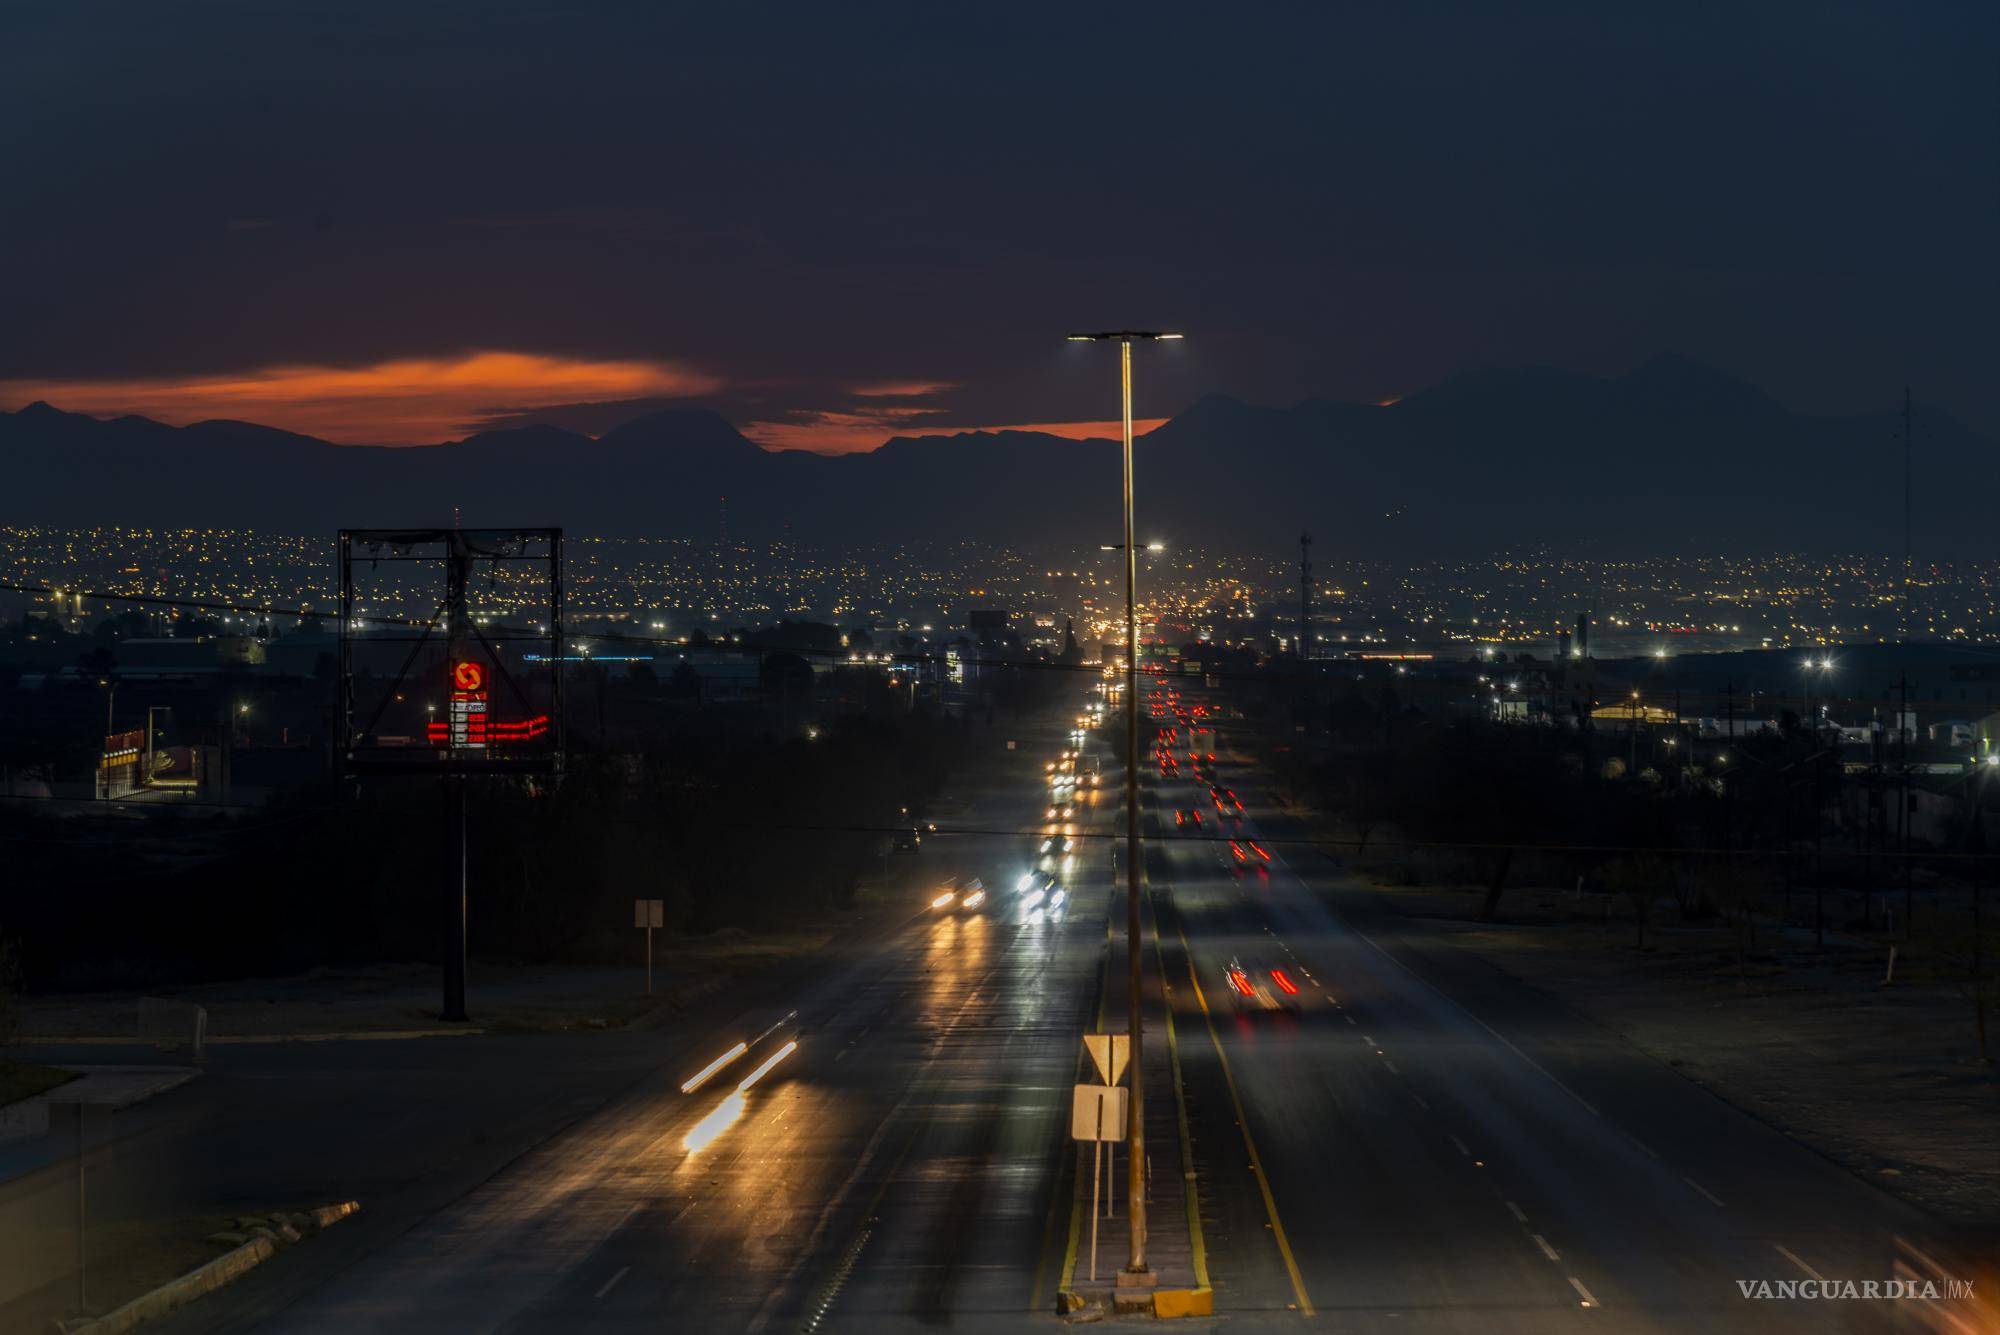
(1183, 1302)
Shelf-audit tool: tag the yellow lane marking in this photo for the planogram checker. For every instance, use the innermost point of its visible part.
(1197, 1244)
(1243, 1121)
(1076, 1205)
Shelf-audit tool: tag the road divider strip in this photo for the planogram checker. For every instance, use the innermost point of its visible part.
(1243, 1122)
(1185, 1304)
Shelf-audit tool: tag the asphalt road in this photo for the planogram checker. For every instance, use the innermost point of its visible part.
(1411, 1142)
(900, 1166)
(1443, 1149)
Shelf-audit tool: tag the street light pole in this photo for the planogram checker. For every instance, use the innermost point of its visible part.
(1135, 1127)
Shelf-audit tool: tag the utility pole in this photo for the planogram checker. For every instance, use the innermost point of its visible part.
(1909, 454)
(1136, 1272)
(1903, 762)
(1305, 596)
(458, 568)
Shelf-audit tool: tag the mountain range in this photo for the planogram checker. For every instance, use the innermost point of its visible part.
(1672, 458)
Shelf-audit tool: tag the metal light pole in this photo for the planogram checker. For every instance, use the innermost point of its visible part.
(152, 741)
(1135, 1127)
(110, 702)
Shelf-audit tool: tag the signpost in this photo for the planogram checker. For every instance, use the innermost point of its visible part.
(1097, 1114)
(649, 913)
(404, 656)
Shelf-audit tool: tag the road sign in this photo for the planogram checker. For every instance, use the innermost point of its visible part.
(1109, 1053)
(1097, 1112)
(649, 913)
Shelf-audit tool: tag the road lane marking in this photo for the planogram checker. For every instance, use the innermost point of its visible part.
(1643, 1145)
(610, 1283)
(1197, 1241)
(1517, 1212)
(1706, 1193)
(1582, 1292)
(1420, 1102)
(1543, 1243)
(1391, 1065)
(1349, 1019)
(1243, 1124)
(1368, 1039)
(1459, 1006)
(1461, 1145)
(1792, 1256)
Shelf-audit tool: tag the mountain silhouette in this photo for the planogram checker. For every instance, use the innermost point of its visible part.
(1672, 458)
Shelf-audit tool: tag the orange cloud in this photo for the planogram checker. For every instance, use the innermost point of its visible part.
(1078, 430)
(907, 389)
(403, 401)
(848, 433)
(835, 433)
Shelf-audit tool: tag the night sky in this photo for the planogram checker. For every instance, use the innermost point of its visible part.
(400, 222)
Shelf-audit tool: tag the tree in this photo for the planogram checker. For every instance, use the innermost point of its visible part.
(1642, 880)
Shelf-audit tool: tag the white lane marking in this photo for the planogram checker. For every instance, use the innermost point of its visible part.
(1368, 1039)
(1350, 1020)
(1706, 1193)
(1644, 1146)
(1458, 1006)
(1420, 1102)
(1461, 1145)
(1391, 1065)
(1582, 1292)
(1543, 1243)
(1517, 1212)
(622, 1272)
(1789, 1255)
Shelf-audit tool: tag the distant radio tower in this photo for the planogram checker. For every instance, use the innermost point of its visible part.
(1909, 452)
(1305, 595)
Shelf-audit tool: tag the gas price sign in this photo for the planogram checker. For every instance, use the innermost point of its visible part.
(468, 704)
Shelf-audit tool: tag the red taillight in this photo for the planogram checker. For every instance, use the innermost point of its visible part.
(1237, 849)
(1239, 982)
(1285, 985)
(1260, 850)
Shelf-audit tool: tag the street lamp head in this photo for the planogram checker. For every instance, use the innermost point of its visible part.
(1126, 336)
(1156, 546)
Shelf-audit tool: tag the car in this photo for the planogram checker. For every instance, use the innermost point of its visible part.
(1261, 986)
(907, 841)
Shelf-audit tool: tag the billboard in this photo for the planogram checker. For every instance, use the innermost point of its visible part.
(451, 651)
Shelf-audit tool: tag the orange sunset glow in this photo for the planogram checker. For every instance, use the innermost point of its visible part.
(846, 433)
(411, 400)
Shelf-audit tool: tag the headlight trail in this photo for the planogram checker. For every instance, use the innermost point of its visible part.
(701, 1077)
(769, 1062)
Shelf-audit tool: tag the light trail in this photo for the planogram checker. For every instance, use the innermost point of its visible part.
(769, 1062)
(701, 1077)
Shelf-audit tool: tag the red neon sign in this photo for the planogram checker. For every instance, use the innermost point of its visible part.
(468, 677)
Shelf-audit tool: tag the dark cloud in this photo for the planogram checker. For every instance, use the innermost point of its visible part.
(1336, 200)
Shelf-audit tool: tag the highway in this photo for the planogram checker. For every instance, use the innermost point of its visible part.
(900, 1164)
(1407, 1142)
(1442, 1149)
